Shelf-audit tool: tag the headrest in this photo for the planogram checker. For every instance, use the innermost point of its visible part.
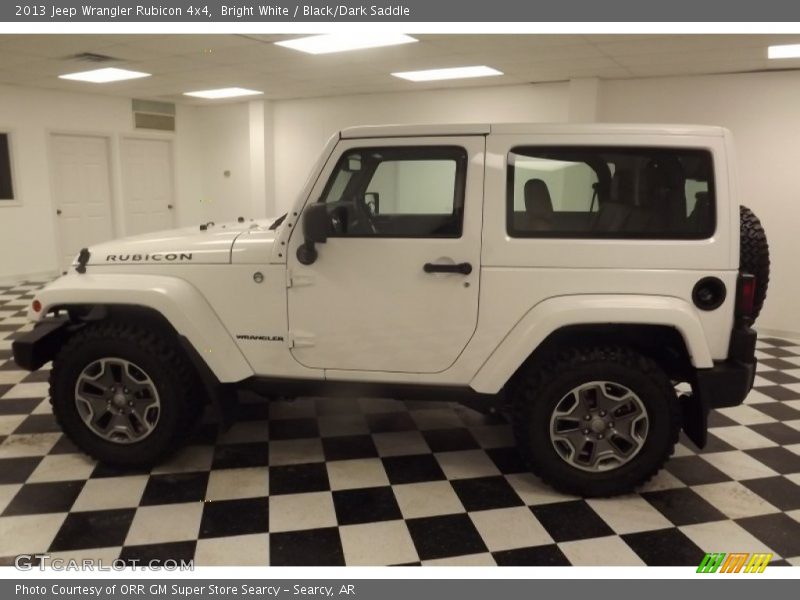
(664, 173)
(537, 199)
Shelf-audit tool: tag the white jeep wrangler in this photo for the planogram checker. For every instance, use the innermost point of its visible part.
(576, 273)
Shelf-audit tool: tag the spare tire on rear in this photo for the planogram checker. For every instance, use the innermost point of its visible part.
(754, 255)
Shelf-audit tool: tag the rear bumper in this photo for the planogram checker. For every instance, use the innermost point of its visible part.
(729, 381)
(40, 345)
(726, 384)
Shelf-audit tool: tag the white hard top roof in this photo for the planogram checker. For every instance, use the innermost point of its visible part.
(376, 131)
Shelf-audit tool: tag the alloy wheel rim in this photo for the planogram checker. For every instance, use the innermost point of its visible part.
(599, 426)
(117, 400)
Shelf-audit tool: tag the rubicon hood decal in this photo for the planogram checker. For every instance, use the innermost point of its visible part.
(188, 245)
(155, 257)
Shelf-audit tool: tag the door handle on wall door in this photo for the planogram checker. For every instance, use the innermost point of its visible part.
(58, 212)
(462, 268)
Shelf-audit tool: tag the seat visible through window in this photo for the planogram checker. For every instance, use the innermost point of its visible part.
(610, 192)
(538, 206)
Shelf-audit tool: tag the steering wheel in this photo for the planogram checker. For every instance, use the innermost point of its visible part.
(339, 220)
(363, 215)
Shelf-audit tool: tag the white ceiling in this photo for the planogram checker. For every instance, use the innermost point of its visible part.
(181, 63)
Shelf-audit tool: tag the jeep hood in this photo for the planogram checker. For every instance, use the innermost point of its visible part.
(188, 245)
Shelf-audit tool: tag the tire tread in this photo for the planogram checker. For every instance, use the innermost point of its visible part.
(526, 389)
(754, 255)
(155, 345)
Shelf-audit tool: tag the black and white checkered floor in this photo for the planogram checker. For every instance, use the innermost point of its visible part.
(377, 481)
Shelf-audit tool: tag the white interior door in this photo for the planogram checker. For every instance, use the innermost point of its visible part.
(82, 192)
(147, 188)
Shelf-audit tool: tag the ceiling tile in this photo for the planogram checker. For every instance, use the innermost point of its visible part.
(688, 43)
(467, 43)
(129, 52)
(185, 43)
(697, 68)
(569, 65)
(166, 64)
(56, 46)
(189, 62)
(8, 59)
(698, 56)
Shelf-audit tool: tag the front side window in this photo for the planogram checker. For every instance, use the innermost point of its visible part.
(586, 192)
(397, 192)
(6, 185)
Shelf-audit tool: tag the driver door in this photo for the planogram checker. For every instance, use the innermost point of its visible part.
(395, 287)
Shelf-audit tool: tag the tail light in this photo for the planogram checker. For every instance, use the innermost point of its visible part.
(746, 296)
(36, 306)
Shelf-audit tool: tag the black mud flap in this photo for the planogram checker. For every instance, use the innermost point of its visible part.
(223, 396)
(694, 413)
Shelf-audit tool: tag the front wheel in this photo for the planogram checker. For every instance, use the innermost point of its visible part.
(123, 394)
(595, 421)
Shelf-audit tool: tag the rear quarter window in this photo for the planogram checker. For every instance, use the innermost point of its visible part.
(611, 192)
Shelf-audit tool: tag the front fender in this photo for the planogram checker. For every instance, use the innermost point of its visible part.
(175, 299)
(554, 313)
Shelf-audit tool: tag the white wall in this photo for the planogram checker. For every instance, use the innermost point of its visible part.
(27, 231)
(762, 111)
(213, 139)
(217, 141)
(208, 141)
(302, 127)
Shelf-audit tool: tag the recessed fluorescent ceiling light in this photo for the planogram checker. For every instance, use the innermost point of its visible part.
(232, 92)
(454, 73)
(785, 51)
(338, 42)
(106, 75)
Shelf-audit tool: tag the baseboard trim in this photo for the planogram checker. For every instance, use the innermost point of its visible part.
(780, 333)
(15, 279)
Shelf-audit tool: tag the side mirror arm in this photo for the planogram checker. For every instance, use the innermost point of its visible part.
(307, 253)
(315, 230)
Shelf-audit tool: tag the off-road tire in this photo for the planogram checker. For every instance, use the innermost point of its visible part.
(539, 388)
(174, 379)
(754, 255)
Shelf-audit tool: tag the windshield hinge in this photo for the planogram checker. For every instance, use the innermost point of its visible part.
(294, 280)
(299, 339)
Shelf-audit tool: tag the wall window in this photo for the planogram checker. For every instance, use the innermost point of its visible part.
(587, 192)
(397, 192)
(6, 184)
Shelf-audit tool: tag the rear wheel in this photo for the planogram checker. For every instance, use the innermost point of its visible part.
(124, 394)
(595, 421)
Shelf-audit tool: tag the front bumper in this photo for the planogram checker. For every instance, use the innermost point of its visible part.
(726, 384)
(41, 344)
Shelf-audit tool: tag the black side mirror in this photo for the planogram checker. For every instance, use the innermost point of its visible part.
(315, 231)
